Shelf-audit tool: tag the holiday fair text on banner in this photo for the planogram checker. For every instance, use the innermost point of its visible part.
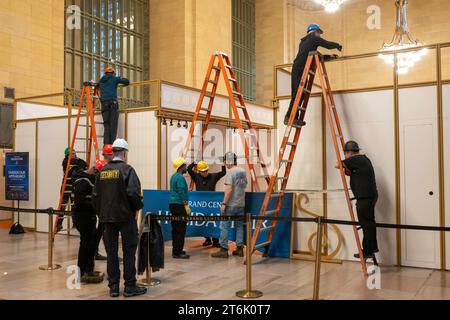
(208, 204)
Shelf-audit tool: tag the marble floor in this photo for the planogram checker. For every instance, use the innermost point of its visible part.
(202, 277)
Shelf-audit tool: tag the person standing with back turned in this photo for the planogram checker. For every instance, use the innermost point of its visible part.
(110, 106)
(309, 43)
(117, 199)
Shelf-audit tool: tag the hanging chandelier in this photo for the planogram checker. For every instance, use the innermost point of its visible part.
(401, 40)
(331, 5)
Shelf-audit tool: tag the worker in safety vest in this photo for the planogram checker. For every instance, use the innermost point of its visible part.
(309, 43)
(364, 188)
(205, 181)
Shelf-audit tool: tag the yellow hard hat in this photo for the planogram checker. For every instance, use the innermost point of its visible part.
(202, 166)
(178, 162)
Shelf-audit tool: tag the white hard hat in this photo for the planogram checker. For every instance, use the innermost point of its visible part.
(120, 144)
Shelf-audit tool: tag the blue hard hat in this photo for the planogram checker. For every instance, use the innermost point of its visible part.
(314, 27)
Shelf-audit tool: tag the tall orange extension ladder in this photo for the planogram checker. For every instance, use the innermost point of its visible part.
(315, 64)
(89, 93)
(220, 64)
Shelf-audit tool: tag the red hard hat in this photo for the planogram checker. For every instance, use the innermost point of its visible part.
(99, 164)
(107, 149)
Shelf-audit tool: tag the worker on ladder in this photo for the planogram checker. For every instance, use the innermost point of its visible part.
(309, 43)
(233, 205)
(75, 164)
(110, 106)
(364, 188)
(205, 181)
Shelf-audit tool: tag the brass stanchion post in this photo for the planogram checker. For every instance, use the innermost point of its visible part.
(318, 259)
(50, 266)
(148, 281)
(248, 292)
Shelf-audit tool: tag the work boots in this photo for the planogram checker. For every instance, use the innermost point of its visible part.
(114, 291)
(239, 252)
(297, 123)
(134, 291)
(92, 277)
(222, 253)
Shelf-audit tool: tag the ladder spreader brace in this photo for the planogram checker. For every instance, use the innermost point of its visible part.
(314, 65)
(237, 105)
(91, 139)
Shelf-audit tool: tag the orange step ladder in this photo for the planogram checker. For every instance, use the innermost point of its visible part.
(89, 92)
(220, 64)
(314, 65)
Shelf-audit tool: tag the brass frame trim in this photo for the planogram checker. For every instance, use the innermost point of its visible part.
(397, 162)
(441, 160)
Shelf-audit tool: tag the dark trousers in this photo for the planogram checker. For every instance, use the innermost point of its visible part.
(366, 216)
(296, 77)
(178, 228)
(129, 233)
(110, 114)
(99, 235)
(214, 240)
(85, 223)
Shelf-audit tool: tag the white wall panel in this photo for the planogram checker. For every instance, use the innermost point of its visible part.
(52, 142)
(32, 111)
(306, 172)
(367, 118)
(259, 114)
(25, 136)
(446, 119)
(419, 175)
(143, 143)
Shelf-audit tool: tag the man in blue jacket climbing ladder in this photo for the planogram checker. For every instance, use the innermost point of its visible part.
(110, 106)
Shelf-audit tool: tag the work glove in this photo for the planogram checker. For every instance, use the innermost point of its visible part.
(340, 48)
(328, 57)
(188, 210)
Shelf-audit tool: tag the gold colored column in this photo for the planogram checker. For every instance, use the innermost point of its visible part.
(50, 266)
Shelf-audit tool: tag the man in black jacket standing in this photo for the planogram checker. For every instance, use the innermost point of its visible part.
(117, 198)
(205, 181)
(85, 220)
(364, 188)
(309, 43)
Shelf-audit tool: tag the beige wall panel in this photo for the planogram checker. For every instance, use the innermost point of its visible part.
(52, 142)
(143, 143)
(446, 120)
(25, 141)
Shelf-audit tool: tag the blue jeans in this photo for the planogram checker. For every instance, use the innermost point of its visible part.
(225, 226)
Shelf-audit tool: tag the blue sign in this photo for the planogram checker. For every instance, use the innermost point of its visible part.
(203, 203)
(17, 176)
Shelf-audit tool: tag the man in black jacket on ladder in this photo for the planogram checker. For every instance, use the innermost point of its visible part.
(309, 43)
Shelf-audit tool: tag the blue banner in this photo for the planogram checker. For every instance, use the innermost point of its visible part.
(17, 176)
(208, 204)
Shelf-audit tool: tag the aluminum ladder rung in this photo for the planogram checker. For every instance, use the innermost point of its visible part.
(236, 93)
(204, 109)
(216, 68)
(276, 194)
(286, 161)
(271, 212)
(228, 66)
(262, 245)
(282, 178)
(212, 81)
(266, 228)
(263, 176)
(292, 144)
(208, 94)
(232, 79)
(313, 73)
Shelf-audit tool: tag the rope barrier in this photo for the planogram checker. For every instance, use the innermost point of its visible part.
(52, 211)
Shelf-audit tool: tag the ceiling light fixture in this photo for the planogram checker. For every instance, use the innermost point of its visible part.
(331, 5)
(401, 40)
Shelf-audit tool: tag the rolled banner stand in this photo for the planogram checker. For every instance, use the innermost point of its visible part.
(148, 281)
(248, 293)
(50, 266)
